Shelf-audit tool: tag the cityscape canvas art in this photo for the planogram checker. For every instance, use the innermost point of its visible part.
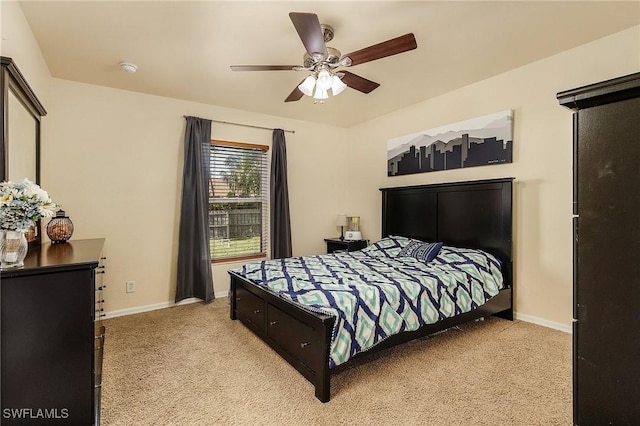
(479, 141)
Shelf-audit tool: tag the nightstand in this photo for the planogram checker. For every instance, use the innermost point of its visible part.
(336, 244)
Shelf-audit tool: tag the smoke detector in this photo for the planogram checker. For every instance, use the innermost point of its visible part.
(128, 67)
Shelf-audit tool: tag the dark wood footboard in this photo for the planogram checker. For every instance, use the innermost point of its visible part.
(303, 338)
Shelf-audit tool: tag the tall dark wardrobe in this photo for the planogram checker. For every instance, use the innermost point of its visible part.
(606, 293)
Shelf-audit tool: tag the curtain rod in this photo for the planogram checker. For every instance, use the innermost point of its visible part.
(246, 125)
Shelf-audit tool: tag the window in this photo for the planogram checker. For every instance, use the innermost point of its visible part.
(238, 200)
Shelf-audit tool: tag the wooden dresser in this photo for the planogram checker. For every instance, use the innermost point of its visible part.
(52, 336)
(606, 237)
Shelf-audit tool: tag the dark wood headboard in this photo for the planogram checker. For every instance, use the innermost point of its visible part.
(473, 214)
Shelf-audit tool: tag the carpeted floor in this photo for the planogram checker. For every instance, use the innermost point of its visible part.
(192, 365)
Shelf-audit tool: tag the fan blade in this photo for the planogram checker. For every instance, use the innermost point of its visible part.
(382, 50)
(359, 83)
(310, 32)
(263, 67)
(296, 95)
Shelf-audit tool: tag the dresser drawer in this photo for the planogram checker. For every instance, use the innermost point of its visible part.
(250, 307)
(335, 245)
(297, 338)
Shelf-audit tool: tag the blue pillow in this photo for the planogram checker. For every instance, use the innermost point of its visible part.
(421, 251)
(387, 247)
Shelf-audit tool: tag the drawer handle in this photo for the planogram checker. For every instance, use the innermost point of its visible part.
(238, 299)
(99, 272)
(304, 344)
(273, 322)
(257, 311)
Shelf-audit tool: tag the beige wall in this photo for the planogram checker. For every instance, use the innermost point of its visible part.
(113, 159)
(542, 161)
(18, 42)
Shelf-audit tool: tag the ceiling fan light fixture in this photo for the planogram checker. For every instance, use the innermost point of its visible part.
(320, 94)
(337, 86)
(324, 80)
(322, 61)
(307, 85)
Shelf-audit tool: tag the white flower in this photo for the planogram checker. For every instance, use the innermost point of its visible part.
(6, 199)
(22, 204)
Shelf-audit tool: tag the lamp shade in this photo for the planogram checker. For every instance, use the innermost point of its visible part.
(337, 86)
(324, 80)
(320, 93)
(341, 220)
(307, 85)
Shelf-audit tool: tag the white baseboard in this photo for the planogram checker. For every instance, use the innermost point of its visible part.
(139, 309)
(542, 322)
(156, 306)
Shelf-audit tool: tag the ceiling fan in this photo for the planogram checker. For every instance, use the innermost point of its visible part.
(323, 61)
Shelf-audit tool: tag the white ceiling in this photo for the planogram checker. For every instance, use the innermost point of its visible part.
(184, 49)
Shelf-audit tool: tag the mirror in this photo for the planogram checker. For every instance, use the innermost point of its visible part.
(20, 112)
(21, 152)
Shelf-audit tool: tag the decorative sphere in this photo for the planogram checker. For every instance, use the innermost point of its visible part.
(60, 228)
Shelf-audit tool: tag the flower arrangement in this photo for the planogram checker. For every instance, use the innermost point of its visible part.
(22, 204)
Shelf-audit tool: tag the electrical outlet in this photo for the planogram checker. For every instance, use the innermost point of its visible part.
(131, 286)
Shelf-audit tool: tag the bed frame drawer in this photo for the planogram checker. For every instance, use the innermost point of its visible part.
(250, 308)
(297, 338)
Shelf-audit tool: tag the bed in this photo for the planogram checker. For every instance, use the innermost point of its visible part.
(463, 215)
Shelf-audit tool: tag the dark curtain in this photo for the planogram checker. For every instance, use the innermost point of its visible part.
(194, 259)
(280, 220)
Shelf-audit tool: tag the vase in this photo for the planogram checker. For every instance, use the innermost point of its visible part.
(13, 249)
(60, 228)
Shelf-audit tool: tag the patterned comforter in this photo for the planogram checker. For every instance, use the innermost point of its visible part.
(375, 296)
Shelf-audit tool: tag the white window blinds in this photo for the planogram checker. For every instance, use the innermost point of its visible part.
(238, 200)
